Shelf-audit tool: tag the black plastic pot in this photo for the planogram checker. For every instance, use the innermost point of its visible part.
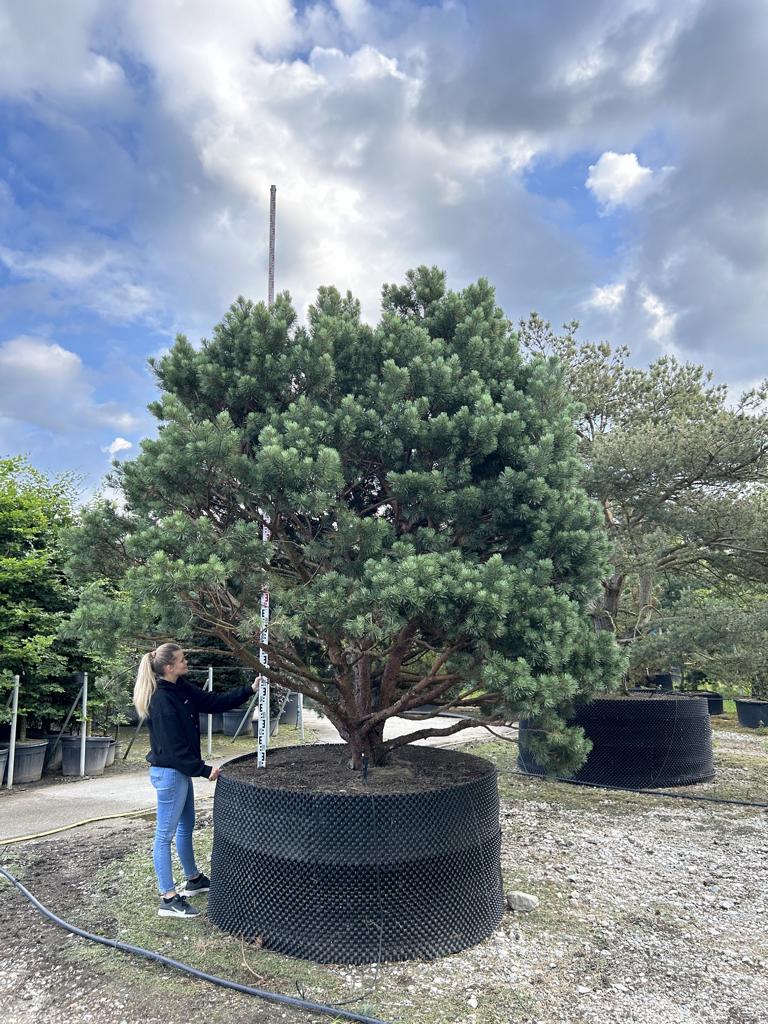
(714, 700)
(96, 750)
(230, 720)
(216, 724)
(28, 761)
(359, 877)
(639, 742)
(752, 713)
(661, 680)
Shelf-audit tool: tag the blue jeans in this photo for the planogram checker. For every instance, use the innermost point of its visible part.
(175, 815)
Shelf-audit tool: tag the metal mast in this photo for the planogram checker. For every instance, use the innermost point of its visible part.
(263, 729)
(272, 206)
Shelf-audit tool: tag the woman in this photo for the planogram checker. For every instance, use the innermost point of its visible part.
(173, 705)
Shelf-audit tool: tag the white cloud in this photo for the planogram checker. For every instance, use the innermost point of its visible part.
(44, 384)
(68, 267)
(661, 321)
(46, 51)
(608, 298)
(118, 445)
(619, 179)
(102, 281)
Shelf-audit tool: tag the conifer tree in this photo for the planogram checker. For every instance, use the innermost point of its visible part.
(430, 537)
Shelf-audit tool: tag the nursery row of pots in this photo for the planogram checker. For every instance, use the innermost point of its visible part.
(34, 756)
(228, 722)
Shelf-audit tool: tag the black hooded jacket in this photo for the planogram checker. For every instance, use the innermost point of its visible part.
(174, 725)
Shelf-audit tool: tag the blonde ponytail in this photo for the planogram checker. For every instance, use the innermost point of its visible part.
(150, 666)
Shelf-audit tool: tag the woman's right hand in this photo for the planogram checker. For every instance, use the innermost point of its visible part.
(214, 774)
(255, 683)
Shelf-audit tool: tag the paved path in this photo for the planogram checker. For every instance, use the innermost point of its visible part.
(39, 808)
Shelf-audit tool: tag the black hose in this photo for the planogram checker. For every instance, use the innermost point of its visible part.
(270, 997)
(629, 789)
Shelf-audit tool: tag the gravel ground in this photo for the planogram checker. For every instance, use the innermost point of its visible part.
(651, 910)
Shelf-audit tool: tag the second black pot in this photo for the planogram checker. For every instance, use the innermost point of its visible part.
(638, 742)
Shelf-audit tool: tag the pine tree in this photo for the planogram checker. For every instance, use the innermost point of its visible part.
(431, 541)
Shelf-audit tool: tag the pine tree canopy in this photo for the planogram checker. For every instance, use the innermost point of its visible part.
(431, 540)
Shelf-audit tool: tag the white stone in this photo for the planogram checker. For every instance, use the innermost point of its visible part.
(522, 902)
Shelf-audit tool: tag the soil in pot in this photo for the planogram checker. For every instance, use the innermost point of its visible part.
(96, 751)
(312, 861)
(28, 761)
(752, 713)
(639, 741)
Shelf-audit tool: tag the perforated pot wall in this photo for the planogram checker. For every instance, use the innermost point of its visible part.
(358, 878)
(638, 742)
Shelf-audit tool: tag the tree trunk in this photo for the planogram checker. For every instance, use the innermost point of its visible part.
(606, 613)
(371, 745)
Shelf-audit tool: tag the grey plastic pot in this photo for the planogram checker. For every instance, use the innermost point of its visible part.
(111, 752)
(29, 760)
(231, 720)
(96, 750)
(53, 754)
(216, 725)
(3, 762)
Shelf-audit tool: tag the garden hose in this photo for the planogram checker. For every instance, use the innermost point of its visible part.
(260, 993)
(75, 824)
(641, 792)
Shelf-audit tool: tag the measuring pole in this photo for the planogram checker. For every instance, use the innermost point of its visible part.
(14, 717)
(84, 725)
(263, 730)
(209, 688)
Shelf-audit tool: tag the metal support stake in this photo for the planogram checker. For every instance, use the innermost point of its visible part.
(300, 716)
(14, 717)
(246, 717)
(71, 712)
(84, 725)
(133, 738)
(209, 688)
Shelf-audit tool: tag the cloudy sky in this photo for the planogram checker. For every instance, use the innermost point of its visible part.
(604, 160)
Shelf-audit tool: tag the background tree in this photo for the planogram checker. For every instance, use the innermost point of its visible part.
(679, 473)
(430, 537)
(34, 598)
(724, 635)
